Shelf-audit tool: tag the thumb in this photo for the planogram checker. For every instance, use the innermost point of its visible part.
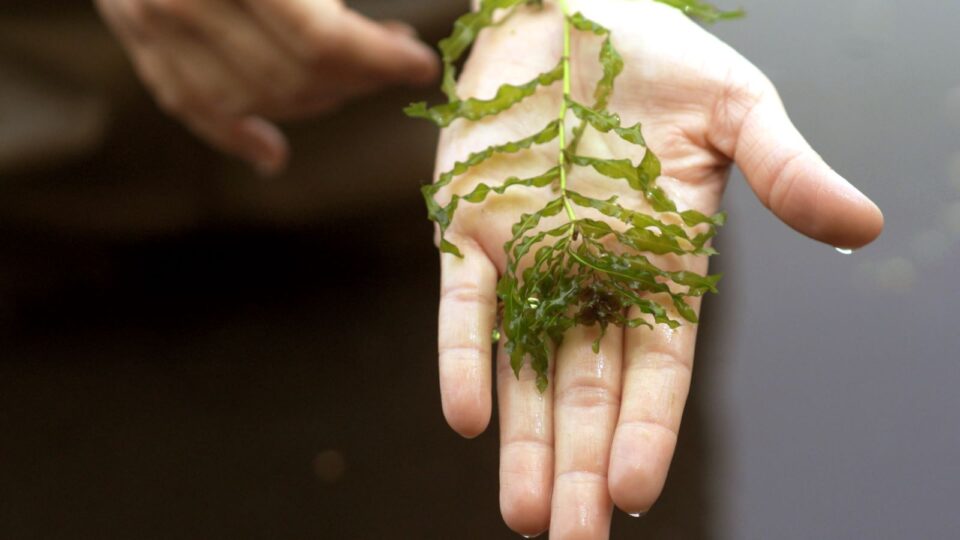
(796, 184)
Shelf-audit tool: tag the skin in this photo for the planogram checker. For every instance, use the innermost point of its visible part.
(604, 433)
(228, 69)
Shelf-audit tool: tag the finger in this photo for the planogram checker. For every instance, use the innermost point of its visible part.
(252, 138)
(386, 54)
(212, 100)
(240, 42)
(586, 401)
(330, 36)
(793, 181)
(400, 27)
(526, 448)
(656, 374)
(130, 21)
(468, 306)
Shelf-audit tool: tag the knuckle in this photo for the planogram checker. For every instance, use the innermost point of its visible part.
(581, 477)
(461, 354)
(586, 395)
(651, 424)
(468, 293)
(661, 359)
(738, 94)
(782, 180)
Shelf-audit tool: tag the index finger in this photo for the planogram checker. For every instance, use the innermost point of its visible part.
(329, 35)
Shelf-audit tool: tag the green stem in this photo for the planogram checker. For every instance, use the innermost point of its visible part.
(563, 111)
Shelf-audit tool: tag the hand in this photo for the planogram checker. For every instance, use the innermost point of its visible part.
(228, 67)
(605, 430)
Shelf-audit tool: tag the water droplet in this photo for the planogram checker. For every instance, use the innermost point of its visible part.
(845, 251)
(495, 335)
(531, 535)
(637, 514)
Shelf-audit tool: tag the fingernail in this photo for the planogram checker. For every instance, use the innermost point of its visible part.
(266, 147)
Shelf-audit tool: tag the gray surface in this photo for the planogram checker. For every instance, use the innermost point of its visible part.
(836, 401)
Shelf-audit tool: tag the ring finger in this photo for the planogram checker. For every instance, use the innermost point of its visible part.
(587, 401)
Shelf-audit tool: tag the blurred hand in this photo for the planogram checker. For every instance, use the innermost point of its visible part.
(226, 68)
(605, 431)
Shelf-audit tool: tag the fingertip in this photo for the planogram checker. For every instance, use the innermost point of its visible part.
(830, 209)
(465, 394)
(868, 220)
(525, 513)
(469, 416)
(388, 52)
(265, 146)
(639, 463)
(526, 481)
(527, 516)
(423, 63)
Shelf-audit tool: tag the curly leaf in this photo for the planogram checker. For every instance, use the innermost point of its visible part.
(619, 169)
(702, 10)
(610, 208)
(528, 222)
(474, 109)
(582, 271)
(443, 215)
(605, 122)
(547, 134)
(465, 32)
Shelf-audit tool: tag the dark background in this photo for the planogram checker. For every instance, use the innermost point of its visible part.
(189, 351)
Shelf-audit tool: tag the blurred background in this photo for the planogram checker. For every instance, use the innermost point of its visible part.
(190, 351)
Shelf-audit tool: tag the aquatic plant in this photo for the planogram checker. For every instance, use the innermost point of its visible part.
(585, 271)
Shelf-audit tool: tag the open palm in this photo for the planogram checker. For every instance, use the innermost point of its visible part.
(604, 432)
